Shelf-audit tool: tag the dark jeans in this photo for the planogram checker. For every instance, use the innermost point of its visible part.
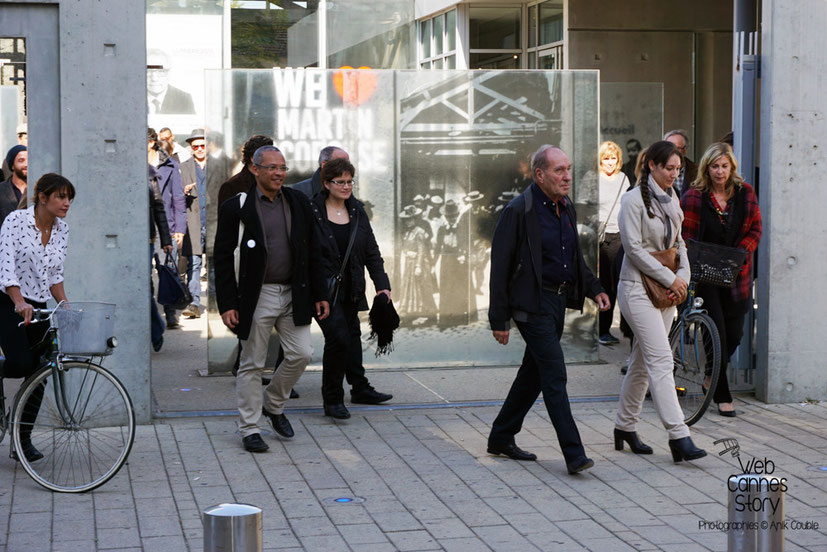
(728, 316)
(543, 369)
(16, 340)
(609, 277)
(342, 352)
(21, 362)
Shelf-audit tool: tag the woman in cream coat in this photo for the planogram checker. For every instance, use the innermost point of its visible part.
(650, 220)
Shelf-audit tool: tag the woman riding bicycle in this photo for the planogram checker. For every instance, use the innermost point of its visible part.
(32, 251)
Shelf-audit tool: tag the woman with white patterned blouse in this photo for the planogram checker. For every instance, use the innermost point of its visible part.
(32, 250)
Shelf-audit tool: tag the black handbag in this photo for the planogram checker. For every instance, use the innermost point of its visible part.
(334, 282)
(171, 290)
(713, 264)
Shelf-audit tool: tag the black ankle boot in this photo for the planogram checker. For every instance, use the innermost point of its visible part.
(685, 449)
(29, 450)
(635, 443)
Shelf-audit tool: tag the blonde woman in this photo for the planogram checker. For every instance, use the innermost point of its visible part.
(721, 208)
(613, 182)
(650, 220)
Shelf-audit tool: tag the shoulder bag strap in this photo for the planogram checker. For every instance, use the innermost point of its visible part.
(349, 246)
(602, 232)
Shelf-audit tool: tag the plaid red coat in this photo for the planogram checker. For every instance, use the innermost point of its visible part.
(748, 236)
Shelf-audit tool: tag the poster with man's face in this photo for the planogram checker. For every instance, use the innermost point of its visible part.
(179, 48)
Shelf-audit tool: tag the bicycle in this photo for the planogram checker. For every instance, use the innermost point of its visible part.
(74, 413)
(696, 355)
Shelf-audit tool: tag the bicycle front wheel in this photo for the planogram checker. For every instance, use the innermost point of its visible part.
(80, 419)
(696, 354)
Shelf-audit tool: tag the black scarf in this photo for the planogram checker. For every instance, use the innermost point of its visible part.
(383, 321)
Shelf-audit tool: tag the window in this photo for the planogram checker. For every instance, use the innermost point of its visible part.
(438, 41)
(545, 38)
(494, 37)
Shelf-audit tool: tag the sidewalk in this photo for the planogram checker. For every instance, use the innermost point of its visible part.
(423, 481)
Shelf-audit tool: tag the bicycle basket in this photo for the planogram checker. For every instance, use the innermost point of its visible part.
(714, 264)
(84, 328)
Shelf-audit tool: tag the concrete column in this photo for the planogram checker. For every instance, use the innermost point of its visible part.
(791, 347)
(103, 152)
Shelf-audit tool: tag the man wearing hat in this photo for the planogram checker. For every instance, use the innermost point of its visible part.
(13, 190)
(194, 179)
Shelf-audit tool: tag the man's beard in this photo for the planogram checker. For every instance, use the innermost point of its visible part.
(21, 175)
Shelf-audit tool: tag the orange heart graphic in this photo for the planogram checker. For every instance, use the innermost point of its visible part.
(354, 86)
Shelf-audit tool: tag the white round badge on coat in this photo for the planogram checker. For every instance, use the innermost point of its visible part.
(251, 244)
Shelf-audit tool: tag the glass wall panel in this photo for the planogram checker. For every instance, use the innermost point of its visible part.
(438, 154)
(492, 28)
(265, 34)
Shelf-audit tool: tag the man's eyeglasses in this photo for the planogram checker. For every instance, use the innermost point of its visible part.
(199, 146)
(343, 183)
(281, 168)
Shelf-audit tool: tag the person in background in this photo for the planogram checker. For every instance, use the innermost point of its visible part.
(313, 185)
(633, 148)
(194, 180)
(179, 152)
(175, 205)
(537, 271)
(336, 212)
(13, 190)
(33, 243)
(244, 180)
(612, 183)
(22, 140)
(721, 208)
(650, 220)
(689, 169)
(157, 219)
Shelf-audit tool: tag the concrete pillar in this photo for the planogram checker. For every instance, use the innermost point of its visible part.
(791, 347)
(102, 131)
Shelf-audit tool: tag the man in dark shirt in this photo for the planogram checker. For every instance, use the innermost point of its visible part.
(244, 180)
(278, 280)
(537, 270)
(14, 189)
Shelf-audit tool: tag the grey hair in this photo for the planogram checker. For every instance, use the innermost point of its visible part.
(677, 132)
(327, 153)
(539, 159)
(261, 151)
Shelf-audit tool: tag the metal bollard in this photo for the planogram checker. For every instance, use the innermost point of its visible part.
(232, 528)
(756, 513)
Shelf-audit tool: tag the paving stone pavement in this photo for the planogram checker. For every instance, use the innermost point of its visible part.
(428, 484)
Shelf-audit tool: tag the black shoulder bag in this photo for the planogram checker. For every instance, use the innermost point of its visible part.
(335, 281)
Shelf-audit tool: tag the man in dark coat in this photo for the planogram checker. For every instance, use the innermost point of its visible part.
(313, 185)
(279, 281)
(14, 188)
(689, 170)
(537, 270)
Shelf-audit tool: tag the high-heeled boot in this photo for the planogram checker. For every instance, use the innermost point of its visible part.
(637, 446)
(685, 449)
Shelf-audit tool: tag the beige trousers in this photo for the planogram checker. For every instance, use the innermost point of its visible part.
(275, 307)
(651, 363)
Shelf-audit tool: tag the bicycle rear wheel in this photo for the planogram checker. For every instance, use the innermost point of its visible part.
(84, 426)
(696, 354)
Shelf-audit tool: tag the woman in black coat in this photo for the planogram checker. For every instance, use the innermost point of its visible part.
(336, 212)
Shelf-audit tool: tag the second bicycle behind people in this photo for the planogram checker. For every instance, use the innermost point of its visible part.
(339, 214)
(721, 208)
(33, 246)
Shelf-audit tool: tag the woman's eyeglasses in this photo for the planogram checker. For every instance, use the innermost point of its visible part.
(343, 183)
